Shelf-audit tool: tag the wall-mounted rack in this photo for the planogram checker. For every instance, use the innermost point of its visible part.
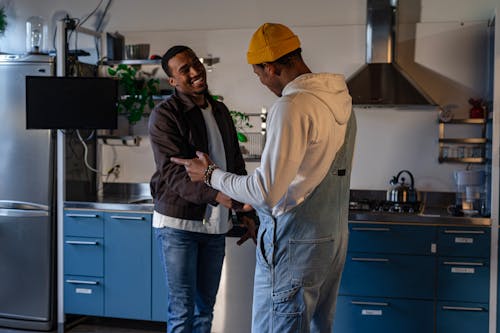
(463, 150)
(112, 140)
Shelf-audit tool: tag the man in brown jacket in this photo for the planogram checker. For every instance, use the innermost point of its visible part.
(191, 219)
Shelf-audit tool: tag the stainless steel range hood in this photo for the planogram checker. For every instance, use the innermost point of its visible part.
(381, 82)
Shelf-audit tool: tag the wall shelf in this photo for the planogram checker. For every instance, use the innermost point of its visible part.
(464, 140)
(132, 62)
(463, 150)
(471, 160)
(112, 140)
(465, 121)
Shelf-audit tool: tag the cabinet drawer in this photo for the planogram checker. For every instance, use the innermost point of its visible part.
(463, 279)
(390, 275)
(127, 258)
(83, 295)
(464, 242)
(386, 238)
(83, 223)
(462, 317)
(83, 256)
(362, 315)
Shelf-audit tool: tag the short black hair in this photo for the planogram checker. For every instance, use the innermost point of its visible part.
(172, 52)
(287, 58)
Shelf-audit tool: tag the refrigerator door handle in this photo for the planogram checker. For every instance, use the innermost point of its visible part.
(22, 213)
(12, 204)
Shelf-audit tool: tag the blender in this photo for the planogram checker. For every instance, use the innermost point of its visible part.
(470, 195)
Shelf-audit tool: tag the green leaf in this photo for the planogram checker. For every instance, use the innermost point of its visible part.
(139, 93)
(242, 137)
(3, 20)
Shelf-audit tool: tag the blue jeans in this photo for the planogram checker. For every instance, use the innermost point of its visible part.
(192, 263)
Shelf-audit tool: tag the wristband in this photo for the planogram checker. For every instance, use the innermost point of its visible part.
(208, 174)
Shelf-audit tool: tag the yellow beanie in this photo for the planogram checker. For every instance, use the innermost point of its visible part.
(270, 42)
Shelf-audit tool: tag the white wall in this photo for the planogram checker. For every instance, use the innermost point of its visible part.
(443, 48)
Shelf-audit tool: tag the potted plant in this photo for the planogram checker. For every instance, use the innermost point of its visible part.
(3, 20)
(136, 92)
(240, 120)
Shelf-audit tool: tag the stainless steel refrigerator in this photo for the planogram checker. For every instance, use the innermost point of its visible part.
(27, 204)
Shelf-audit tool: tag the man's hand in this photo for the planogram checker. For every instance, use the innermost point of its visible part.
(195, 167)
(251, 230)
(241, 207)
(224, 200)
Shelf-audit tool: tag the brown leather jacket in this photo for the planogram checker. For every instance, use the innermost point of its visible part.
(177, 128)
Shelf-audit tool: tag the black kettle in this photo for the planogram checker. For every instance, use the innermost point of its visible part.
(401, 192)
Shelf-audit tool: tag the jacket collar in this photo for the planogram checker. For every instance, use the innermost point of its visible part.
(189, 103)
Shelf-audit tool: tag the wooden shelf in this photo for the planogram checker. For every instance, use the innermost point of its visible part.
(472, 121)
(112, 140)
(466, 154)
(472, 160)
(132, 62)
(464, 140)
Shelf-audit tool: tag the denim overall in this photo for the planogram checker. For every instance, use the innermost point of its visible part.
(301, 254)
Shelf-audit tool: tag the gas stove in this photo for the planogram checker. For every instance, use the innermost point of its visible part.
(384, 206)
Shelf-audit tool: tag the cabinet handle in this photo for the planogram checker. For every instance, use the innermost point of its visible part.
(370, 229)
(461, 308)
(462, 263)
(83, 215)
(371, 259)
(470, 232)
(81, 242)
(370, 303)
(123, 217)
(82, 282)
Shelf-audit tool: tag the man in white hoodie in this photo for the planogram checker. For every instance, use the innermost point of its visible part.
(300, 189)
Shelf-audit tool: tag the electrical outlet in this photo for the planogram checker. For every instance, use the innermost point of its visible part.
(116, 170)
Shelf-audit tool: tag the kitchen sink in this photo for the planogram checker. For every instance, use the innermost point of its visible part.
(140, 201)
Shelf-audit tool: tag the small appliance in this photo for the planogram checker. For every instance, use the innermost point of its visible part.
(470, 191)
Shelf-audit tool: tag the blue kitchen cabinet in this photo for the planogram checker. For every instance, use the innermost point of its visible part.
(463, 280)
(453, 317)
(409, 278)
(383, 315)
(83, 262)
(127, 265)
(391, 238)
(464, 242)
(158, 287)
(84, 256)
(83, 223)
(389, 275)
(389, 279)
(83, 295)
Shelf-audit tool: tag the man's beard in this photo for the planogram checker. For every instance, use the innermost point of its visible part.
(202, 92)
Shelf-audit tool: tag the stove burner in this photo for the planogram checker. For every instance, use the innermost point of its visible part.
(360, 205)
(385, 206)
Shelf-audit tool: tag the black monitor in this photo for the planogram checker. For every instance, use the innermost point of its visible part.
(71, 102)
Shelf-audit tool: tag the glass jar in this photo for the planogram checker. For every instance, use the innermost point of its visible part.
(36, 34)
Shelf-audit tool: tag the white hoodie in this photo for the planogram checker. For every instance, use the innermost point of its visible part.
(305, 129)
